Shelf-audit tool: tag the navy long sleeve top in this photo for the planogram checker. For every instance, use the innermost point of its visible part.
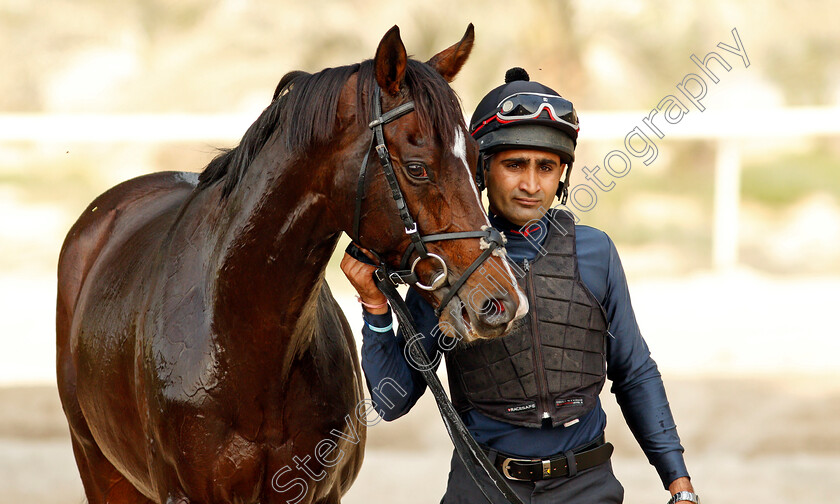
(395, 386)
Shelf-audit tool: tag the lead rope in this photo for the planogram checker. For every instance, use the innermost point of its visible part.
(467, 448)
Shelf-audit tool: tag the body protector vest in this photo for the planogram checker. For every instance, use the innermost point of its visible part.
(552, 365)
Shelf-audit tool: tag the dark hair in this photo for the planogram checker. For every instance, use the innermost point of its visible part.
(309, 102)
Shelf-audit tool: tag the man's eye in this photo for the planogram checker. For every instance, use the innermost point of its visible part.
(417, 171)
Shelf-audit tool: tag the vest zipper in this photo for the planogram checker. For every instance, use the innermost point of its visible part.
(539, 365)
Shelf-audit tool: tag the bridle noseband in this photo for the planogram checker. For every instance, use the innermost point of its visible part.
(491, 239)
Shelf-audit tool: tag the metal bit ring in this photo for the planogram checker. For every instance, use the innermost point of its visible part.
(439, 280)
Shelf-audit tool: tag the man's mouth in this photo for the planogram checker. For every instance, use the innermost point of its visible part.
(527, 202)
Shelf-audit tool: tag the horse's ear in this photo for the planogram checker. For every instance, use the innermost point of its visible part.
(449, 61)
(390, 62)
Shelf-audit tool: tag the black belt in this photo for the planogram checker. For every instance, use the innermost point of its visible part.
(566, 464)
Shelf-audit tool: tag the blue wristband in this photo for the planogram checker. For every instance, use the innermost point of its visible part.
(380, 329)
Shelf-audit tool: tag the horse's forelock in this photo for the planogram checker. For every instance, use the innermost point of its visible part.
(435, 103)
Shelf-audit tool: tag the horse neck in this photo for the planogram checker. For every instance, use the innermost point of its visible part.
(280, 236)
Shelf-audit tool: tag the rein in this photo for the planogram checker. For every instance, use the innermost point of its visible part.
(387, 280)
(467, 448)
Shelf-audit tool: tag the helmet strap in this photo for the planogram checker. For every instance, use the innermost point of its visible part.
(483, 165)
(563, 190)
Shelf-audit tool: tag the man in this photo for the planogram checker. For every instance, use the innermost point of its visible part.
(531, 397)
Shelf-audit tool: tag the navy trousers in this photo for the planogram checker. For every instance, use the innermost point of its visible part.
(596, 485)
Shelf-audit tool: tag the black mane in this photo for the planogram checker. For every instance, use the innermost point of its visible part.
(304, 108)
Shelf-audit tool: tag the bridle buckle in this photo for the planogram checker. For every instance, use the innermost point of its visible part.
(382, 153)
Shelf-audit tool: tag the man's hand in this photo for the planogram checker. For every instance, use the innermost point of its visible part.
(680, 484)
(361, 277)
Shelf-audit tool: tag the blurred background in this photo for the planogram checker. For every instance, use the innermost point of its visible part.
(730, 237)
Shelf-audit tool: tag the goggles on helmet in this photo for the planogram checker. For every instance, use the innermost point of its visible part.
(526, 106)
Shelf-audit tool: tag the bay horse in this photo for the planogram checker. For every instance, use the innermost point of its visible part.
(200, 353)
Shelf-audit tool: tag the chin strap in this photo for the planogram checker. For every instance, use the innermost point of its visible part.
(470, 453)
(563, 189)
(480, 181)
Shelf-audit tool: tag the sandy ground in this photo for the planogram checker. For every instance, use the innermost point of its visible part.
(770, 440)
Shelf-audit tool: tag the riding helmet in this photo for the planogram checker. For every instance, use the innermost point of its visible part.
(524, 114)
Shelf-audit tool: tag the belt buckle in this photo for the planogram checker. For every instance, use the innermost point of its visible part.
(505, 466)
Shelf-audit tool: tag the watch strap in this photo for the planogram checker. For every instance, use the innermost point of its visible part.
(684, 495)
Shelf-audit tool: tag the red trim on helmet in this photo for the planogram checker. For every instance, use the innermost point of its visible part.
(502, 121)
(483, 124)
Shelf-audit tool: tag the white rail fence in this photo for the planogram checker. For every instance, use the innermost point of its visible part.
(725, 128)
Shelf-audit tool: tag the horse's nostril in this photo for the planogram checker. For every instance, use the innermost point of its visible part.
(492, 307)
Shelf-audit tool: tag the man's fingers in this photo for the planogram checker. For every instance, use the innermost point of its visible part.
(347, 263)
(350, 263)
(360, 276)
(359, 273)
(368, 253)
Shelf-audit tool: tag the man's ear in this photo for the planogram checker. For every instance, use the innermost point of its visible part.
(390, 62)
(449, 61)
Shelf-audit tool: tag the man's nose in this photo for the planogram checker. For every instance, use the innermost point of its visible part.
(529, 182)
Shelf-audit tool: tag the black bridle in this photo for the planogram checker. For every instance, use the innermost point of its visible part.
(491, 239)
(387, 280)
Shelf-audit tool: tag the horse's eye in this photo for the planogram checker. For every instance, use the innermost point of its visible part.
(417, 171)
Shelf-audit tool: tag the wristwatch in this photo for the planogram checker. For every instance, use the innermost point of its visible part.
(684, 495)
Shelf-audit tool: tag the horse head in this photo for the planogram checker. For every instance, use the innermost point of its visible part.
(432, 159)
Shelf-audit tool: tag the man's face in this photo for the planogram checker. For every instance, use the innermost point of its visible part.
(521, 183)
